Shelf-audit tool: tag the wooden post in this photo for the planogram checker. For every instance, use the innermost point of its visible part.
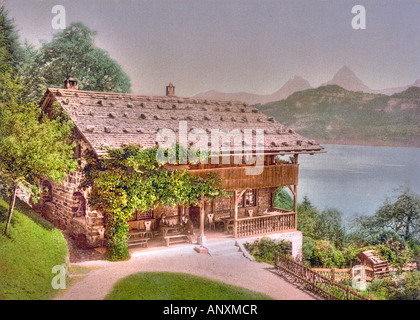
(295, 204)
(235, 217)
(202, 215)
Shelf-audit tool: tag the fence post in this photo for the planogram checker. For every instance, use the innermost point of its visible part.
(333, 274)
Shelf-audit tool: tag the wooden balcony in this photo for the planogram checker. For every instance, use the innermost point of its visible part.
(237, 178)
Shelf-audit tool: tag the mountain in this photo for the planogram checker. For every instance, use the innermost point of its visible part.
(391, 91)
(332, 114)
(292, 85)
(345, 78)
(238, 96)
(348, 80)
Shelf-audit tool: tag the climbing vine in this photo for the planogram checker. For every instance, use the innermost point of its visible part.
(130, 178)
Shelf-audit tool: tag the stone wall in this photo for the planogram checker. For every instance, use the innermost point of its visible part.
(65, 205)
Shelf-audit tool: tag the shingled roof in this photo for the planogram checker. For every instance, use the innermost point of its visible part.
(115, 119)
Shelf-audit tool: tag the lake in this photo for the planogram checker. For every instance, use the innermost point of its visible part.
(357, 179)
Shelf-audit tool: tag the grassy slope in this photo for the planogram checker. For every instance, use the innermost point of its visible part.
(177, 286)
(33, 246)
(333, 114)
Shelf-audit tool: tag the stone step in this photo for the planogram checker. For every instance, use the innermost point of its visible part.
(223, 249)
(221, 244)
(226, 255)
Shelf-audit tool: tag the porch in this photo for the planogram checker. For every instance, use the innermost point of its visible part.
(216, 226)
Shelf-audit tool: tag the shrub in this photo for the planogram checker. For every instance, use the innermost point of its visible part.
(264, 250)
(326, 255)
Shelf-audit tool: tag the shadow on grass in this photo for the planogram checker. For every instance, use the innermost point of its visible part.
(25, 209)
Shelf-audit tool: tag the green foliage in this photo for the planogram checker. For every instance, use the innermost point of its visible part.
(282, 199)
(264, 249)
(177, 286)
(321, 225)
(308, 248)
(28, 70)
(73, 53)
(10, 48)
(130, 178)
(28, 254)
(327, 256)
(400, 216)
(31, 145)
(405, 286)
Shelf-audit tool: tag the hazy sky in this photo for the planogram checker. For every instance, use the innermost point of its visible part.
(240, 45)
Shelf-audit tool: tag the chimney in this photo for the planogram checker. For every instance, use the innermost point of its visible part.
(71, 84)
(170, 90)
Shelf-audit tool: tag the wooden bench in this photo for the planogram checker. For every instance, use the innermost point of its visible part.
(177, 238)
(138, 241)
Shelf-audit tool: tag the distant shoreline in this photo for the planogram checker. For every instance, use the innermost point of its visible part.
(370, 143)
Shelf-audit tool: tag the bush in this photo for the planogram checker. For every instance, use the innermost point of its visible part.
(326, 255)
(264, 250)
(398, 287)
(308, 248)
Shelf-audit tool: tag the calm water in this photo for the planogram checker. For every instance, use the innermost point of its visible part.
(357, 179)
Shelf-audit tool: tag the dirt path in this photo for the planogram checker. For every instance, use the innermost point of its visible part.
(235, 270)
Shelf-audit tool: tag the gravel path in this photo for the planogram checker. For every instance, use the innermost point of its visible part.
(236, 269)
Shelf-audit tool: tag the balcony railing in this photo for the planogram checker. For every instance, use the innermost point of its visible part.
(266, 224)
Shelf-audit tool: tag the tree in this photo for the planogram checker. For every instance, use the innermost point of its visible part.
(27, 69)
(73, 53)
(130, 178)
(10, 49)
(400, 216)
(31, 145)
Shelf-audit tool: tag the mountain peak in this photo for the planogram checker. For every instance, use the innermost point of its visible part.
(347, 79)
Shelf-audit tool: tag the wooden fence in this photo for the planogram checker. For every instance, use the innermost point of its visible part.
(339, 275)
(316, 282)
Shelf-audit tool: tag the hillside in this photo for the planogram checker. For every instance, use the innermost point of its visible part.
(331, 114)
(28, 253)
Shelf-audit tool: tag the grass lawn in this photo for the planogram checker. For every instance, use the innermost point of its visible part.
(28, 253)
(177, 286)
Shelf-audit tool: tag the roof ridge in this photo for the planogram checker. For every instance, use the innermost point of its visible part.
(150, 95)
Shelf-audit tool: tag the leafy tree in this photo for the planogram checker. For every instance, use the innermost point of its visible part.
(27, 70)
(73, 53)
(328, 226)
(400, 216)
(130, 178)
(31, 145)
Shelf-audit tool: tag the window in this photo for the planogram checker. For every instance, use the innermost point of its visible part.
(79, 205)
(249, 199)
(46, 190)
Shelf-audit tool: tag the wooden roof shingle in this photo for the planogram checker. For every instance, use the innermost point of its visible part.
(115, 119)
